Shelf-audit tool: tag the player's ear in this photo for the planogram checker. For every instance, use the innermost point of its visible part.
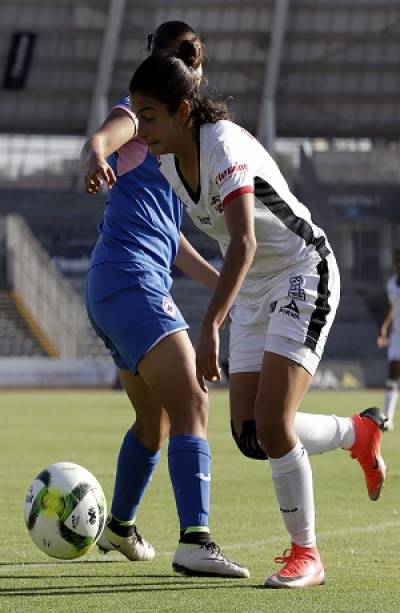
(184, 110)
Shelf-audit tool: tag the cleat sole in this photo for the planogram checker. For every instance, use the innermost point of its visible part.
(277, 585)
(189, 572)
(274, 586)
(374, 496)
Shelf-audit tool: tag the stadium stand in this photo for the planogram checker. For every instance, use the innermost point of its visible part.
(354, 330)
(336, 71)
(64, 221)
(41, 297)
(323, 74)
(17, 339)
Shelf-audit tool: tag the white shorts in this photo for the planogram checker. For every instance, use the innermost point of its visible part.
(393, 352)
(289, 315)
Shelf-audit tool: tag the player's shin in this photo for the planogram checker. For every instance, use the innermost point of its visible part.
(321, 433)
(189, 460)
(293, 485)
(292, 478)
(135, 467)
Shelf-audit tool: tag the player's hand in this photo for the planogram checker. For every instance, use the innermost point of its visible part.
(97, 172)
(382, 341)
(207, 351)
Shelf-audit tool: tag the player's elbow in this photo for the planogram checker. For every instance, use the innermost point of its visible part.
(246, 245)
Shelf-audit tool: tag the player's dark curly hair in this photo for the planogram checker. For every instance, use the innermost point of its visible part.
(173, 76)
(168, 32)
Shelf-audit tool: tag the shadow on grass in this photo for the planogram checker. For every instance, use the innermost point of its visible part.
(86, 576)
(62, 562)
(169, 586)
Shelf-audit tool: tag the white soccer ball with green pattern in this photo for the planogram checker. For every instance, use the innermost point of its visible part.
(65, 510)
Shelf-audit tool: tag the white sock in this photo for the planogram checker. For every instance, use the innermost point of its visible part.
(390, 398)
(320, 433)
(293, 484)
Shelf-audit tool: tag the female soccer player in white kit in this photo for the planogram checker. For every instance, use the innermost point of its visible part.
(279, 281)
(392, 342)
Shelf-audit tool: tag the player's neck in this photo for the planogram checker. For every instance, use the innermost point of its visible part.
(186, 147)
(187, 156)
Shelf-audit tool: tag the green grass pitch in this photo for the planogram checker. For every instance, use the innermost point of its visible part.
(358, 539)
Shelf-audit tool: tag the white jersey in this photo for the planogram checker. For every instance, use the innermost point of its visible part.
(232, 162)
(393, 292)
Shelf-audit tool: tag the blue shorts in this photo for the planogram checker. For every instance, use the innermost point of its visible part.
(131, 311)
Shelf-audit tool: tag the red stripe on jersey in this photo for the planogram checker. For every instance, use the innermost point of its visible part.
(247, 189)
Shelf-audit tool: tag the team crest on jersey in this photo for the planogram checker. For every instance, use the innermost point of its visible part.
(296, 287)
(169, 306)
(205, 221)
(217, 204)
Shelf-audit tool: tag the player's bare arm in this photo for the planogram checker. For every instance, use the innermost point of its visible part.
(239, 218)
(189, 261)
(118, 129)
(383, 337)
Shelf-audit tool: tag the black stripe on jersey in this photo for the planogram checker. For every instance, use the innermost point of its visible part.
(322, 308)
(266, 194)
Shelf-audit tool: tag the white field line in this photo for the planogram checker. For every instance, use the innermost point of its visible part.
(232, 547)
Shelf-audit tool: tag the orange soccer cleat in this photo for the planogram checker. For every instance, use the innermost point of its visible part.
(369, 426)
(303, 568)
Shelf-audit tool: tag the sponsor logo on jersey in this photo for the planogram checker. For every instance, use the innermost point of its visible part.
(169, 306)
(291, 309)
(228, 172)
(295, 290)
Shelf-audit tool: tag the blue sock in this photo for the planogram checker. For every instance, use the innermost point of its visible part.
(134, 469)
(189, 461)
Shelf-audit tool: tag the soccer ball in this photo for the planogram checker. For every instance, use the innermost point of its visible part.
(65, 510)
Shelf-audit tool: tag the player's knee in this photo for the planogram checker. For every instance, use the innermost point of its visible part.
(196, 414)
(247, 440)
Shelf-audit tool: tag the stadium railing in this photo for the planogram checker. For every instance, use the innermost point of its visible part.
(40, 289)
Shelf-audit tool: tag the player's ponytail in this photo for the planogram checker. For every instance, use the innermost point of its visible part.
(174, 76)
(171, 32)
(191, 53)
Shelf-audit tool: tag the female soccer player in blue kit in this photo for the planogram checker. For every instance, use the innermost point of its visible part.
(131, 309)
(279, 283)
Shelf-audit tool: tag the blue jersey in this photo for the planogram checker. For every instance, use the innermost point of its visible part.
(142, 217)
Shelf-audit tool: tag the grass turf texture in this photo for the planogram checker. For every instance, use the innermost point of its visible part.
(358, 539)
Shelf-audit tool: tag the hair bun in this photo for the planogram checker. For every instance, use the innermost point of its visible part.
(191, 52)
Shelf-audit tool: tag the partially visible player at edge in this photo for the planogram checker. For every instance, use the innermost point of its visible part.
(391, 341)
(131, 309)
(279, 282)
